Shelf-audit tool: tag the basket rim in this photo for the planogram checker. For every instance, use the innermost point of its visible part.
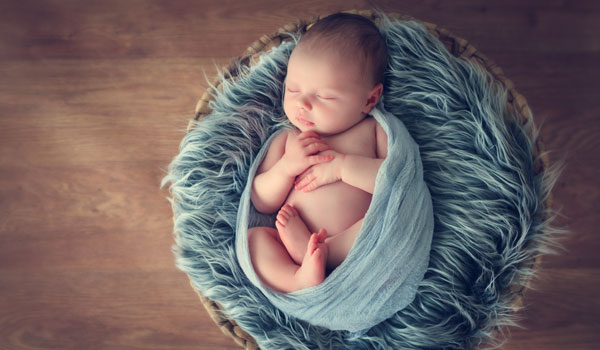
(457, 46)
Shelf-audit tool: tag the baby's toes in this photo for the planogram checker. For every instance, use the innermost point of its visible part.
(279, 225)
(283, 214)
(290, 210)
(283, 217)
(322, 235)
(313, 244)
(317, 254)
(283, 211)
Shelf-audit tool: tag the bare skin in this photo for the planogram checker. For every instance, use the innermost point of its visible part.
(293, 232)
(320, 177)
(266, 248)
(295, 236)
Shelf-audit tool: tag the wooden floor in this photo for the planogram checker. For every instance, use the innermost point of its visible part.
(95, 97)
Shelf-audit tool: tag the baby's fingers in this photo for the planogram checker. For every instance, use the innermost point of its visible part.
(309, 141)
(303, 180)
(320, 158)
(308, 182)
(317, 147)
(308, 185)
(308, 134)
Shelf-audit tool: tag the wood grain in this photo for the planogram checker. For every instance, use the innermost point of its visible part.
(95, 97)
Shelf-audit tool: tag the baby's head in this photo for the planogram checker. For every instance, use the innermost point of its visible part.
(335, 74)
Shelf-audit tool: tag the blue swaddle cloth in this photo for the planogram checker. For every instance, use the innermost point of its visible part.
(390, 255)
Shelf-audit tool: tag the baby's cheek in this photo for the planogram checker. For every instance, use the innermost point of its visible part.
(286, 107)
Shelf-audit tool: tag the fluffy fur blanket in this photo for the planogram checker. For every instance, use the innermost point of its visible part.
(478, 164)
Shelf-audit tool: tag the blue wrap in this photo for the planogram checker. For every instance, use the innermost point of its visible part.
(388, 260)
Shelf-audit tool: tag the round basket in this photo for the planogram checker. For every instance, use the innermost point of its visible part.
(456, 46)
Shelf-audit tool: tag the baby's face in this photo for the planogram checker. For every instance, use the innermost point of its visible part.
(325, 93)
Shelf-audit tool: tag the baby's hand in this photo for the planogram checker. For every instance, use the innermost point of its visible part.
(321, 174)
(302, 151)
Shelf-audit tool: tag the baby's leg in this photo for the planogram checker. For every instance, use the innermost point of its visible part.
(293, 232)
(277, 270)
(340, 244)
(295, 235)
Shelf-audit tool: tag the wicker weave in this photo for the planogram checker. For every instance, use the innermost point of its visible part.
(456, 46)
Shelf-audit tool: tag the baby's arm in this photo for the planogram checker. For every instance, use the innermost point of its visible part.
(355, 170)
(270, 186)
(360, 171)
(288, 156)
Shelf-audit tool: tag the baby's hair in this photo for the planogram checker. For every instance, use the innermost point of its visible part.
(351, 36)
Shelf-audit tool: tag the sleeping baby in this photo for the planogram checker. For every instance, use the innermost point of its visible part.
(320, 175)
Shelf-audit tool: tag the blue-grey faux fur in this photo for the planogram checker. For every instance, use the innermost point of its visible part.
(479, 166)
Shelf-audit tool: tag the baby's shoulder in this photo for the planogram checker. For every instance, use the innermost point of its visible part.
(372, 123)
(365, 127)
(375, 135)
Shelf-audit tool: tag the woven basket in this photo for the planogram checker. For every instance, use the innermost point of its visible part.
(456, 46)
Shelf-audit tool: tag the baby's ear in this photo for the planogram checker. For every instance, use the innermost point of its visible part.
(373, 97)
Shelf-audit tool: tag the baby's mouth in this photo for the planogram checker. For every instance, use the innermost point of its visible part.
(304, 121)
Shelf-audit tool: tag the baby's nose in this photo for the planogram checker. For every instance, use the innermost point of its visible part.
(303, 102)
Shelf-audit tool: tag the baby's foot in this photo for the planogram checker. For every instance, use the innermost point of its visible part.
(312, 271)
(293, 232)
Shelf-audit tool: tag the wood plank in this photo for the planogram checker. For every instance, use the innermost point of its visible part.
(553, 317)
(137, 28)
(109, 214)
(72, 111)
(103, 308)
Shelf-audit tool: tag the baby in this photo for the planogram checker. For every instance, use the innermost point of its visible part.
(323, 171)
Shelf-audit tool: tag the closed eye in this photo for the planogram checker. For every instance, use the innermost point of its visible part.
(290, 90)
(326, 97)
